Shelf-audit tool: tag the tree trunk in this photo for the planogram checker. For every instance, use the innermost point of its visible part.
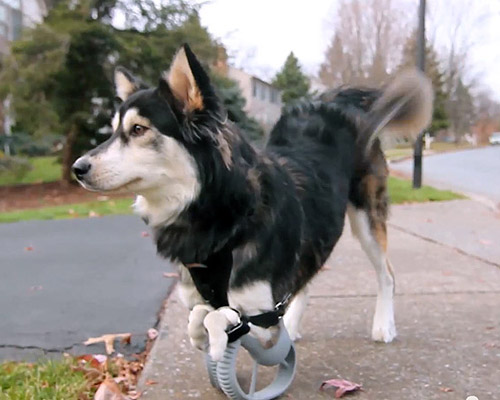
(67, 154)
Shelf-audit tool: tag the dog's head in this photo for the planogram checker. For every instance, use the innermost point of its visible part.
(152, 132)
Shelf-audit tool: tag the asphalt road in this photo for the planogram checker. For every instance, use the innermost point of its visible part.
(474, 172)
(64, 281)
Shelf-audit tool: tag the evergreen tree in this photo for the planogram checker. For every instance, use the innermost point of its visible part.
(59, 75)
(440, 118)
(291, 80)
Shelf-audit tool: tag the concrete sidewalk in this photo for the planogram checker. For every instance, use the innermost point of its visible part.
(447, 315)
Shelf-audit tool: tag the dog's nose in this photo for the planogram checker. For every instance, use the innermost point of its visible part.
(81, 167)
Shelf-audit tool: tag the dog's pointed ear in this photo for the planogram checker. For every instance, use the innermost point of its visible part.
(188, 83)
(125, 83)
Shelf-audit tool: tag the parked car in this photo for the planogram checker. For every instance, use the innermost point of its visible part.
(495, 138)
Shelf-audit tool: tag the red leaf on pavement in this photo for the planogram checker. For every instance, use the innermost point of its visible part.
(145, 234)
(29, 248)
(342, 386)
(170, 274)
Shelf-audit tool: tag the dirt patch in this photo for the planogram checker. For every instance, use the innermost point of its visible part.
(37, 195)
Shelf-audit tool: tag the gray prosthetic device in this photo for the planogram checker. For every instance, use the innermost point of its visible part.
(223, 374)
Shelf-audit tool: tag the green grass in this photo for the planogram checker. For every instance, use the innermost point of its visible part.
(109, 207)
(54, 380)
(401, 191)
(45, 169)
(395, 154)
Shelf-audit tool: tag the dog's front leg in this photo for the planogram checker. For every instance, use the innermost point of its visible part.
(192, 299)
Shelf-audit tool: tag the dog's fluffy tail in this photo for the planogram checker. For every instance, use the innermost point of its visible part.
(403, 110)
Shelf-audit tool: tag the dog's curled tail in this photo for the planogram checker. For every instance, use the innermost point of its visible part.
(403, 110)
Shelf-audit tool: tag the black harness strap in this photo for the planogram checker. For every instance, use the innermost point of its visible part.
(264, 320)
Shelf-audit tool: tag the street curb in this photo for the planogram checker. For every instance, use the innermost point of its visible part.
(162, 331)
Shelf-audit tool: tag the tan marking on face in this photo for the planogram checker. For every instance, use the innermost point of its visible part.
(132, 118)
(115, 121)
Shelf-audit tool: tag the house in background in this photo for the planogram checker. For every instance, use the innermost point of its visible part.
(263, 100)
(16, 15)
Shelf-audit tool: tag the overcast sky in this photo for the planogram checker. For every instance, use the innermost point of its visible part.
(259, 34)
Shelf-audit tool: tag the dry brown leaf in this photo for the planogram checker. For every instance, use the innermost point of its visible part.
(446, 389)
(342, 386)
(170, 274)
(150, 382)
(109, 390)
(108, 340)
(152, 333)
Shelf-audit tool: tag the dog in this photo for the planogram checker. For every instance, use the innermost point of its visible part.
(252, 228)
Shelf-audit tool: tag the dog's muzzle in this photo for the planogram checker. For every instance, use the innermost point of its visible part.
(81, 167)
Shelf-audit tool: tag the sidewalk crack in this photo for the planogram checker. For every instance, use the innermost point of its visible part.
(430, 240)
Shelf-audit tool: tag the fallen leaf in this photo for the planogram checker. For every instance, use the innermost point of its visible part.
(109, 390)
(29, 248)
(152, 333)
(171, 274)
(126, 339)
(150, 382)
(108, 340)
(145, 234)
(446, 389)
(342, 386)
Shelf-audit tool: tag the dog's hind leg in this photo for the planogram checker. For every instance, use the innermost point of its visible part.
(372, 234)
(294, 313)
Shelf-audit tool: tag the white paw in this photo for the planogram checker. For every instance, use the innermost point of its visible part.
(384, 329)
(216, 322)
(196, 330)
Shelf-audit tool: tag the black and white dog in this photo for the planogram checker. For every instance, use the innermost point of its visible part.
(251, 228)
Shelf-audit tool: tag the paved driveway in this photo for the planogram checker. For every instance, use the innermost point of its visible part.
(64, 281)
(471, 171)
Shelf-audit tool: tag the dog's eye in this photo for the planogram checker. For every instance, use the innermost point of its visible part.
(138, 130)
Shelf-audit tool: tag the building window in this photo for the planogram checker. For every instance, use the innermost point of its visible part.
(254, 88)
(263, 90)
(3, 14)
(17, 25)
(274, 95)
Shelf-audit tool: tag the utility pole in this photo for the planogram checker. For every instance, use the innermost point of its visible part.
(417, 151)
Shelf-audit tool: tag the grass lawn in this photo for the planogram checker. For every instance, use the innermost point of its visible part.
(94, 208)
(54, 380)
(401, 191)
(395, 154)
(45, 169)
